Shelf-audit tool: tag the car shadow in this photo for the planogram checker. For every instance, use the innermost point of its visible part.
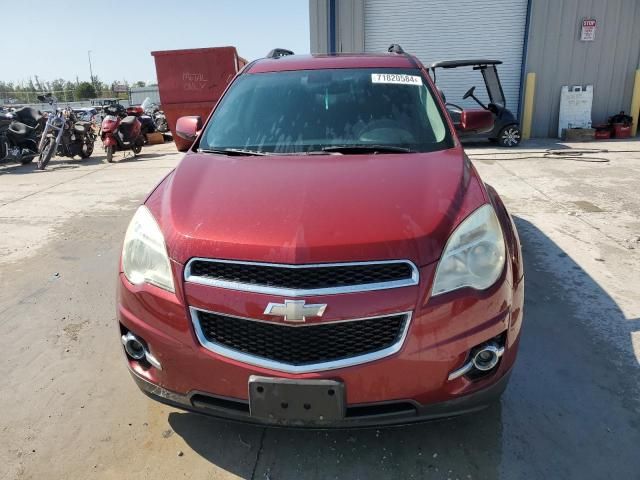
(571, 410)
(160, 154)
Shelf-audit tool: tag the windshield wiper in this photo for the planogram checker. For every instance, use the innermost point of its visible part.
(355, 149)
(231, 151)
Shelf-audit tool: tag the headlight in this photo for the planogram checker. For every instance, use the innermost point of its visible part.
(474, 256)
(144, 254)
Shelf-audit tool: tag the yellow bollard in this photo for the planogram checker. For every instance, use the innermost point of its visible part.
(527, 114)
(635, 104)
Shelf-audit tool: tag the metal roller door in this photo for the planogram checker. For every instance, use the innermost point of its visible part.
(452, 30)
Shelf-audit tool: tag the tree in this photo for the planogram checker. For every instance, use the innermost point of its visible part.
(85, 90)
(140, 83)
(69, 91)
(57, 86)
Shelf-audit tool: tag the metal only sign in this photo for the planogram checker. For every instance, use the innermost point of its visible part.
(588, 31)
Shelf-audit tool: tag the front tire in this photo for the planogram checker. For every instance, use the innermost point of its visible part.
(87, 148)
(109, 150)
(46, 154)
(510, 136)
(137, 148)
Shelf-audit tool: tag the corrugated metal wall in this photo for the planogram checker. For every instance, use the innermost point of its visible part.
(318, 25)
(554, 51)
(350, 28)
(138, 95)
(437, 30)
(558, 57)
(349, 25)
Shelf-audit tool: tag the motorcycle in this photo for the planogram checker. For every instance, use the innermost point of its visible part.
(64, 134)
(120, 131)
(20, 132)
(161, 121)
(159, 118)
(146, 122)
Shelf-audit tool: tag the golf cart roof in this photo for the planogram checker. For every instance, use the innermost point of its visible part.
(464, 63)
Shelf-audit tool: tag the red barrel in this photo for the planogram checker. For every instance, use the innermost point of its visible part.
(191, 81)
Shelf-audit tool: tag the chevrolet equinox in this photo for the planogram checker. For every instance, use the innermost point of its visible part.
(324, 255)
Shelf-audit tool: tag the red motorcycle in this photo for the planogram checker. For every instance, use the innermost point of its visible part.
(120, 132)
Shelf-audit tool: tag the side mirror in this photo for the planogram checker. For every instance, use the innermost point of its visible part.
(441, 93)
(476, 120)
(188, 127)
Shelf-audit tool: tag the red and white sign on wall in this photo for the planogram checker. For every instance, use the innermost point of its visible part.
(588, 32)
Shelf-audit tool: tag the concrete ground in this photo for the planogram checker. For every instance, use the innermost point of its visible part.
(69, 410)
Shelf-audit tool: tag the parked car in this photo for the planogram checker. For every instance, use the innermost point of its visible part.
(324, 255)
(87, 114)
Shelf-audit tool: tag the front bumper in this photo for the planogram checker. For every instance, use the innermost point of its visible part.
(364, 415)
(409, 385)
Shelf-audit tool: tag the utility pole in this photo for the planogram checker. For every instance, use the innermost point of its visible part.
(90, 69)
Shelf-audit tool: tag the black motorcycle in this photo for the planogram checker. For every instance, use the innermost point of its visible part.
(158, 116)
(64, 134)
(20, 133)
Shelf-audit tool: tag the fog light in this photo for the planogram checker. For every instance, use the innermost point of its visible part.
(487, 357)
(483, 358)
(133, 346)
(138, 350)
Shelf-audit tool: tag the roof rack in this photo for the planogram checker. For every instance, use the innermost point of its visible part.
(279, 52)
(395, 48)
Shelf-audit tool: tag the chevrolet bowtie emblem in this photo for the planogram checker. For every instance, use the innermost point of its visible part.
(295, 310)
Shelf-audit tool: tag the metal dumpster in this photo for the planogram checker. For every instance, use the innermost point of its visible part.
(191, 81)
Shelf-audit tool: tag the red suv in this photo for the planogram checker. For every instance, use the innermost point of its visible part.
(324, 255)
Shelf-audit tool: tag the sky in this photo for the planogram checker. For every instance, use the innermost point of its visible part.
(122, 34)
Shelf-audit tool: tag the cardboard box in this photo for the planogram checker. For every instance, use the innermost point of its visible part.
(155, 138)
(578, 134)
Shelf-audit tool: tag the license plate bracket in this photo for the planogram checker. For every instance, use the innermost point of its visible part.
(296, 402)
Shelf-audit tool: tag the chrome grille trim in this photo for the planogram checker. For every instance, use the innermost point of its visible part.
(288, 368)
(291, 292)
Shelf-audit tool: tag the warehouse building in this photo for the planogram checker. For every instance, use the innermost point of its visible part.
(563, 42)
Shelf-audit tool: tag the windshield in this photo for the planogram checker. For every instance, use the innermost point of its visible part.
(494, 88)
(316, 110)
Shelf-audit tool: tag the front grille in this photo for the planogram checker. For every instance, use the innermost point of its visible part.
(302, 345)
(302, 278)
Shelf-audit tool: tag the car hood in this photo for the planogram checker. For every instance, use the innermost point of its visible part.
(315, 208)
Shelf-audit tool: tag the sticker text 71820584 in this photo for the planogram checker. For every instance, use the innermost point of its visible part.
(396, 78)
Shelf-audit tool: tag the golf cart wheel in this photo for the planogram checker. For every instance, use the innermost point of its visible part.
(109, 151)
(46, 153)
(510, 136)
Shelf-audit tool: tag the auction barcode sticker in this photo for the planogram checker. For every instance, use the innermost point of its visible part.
(396, 78)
